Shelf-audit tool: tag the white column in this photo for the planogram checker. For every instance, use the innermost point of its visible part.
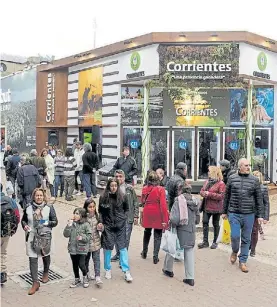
(274, 174)
(249, 122)
(145, 148)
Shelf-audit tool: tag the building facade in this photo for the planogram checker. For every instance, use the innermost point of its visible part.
(171, 97)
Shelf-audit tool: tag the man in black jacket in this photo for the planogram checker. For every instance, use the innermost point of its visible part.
(243, 200)
(28, 179)
(8, 152)
(90, 165)
(226, 170)
(127, 164)
(176, 183)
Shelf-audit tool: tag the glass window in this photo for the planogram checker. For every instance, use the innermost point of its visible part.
(158, 148)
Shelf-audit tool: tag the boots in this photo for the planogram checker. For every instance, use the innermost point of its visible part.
(205, 242)
(45, 278)
(35, 288)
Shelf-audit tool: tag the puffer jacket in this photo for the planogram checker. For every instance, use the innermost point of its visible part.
(78, 247)
(243, 195)
(95, 241)
(264, 189)
(186, 233)
(173, 186)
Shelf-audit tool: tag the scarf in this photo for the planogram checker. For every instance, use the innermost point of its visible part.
(183, 209)
(37, 211)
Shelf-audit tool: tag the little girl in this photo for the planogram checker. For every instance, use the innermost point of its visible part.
(95, 242)
(78, 231)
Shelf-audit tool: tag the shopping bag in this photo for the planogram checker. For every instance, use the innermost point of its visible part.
(9, 188)
(179, 251)
(168, 243)
(224, 233)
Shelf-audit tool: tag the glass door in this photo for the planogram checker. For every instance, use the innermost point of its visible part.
(234, 145)
(183, 149)
(208, 150)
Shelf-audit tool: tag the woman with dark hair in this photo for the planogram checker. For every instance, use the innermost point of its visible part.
(113, 211)
(69, 174)
(155, 214)
(78, 231)
(38, 220)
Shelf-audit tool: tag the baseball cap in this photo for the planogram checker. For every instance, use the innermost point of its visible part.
(225, 163)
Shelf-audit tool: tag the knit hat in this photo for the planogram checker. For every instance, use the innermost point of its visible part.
(181, 165)
(225, 163)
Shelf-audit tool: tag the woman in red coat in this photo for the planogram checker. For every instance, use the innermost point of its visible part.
(212, 205)
(155, 214)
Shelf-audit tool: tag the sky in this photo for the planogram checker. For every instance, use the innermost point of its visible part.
(63, 28)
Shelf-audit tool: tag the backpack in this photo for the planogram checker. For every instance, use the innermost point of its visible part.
(8, 218)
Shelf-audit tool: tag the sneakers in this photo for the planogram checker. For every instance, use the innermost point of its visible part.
(214, 246)
(108, 274)
(252, 254)
(91, 277)
(76, 282)
(78, 194)
(85, 282)
(203, 245)
(115, 258)
(98, 281)
(128, 277)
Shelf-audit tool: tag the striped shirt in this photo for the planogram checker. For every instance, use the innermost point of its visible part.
(59, 165)
(69, 166)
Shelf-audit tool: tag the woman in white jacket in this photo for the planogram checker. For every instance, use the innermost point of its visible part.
(50, 170)
(78, 154)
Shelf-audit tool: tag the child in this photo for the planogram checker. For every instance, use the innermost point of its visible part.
(78, 231)
(95, 242)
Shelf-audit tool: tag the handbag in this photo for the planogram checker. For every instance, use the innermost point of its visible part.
(41, 243)
(168, 243)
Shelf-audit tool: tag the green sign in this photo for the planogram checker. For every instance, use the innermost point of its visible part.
(262, 61)
(135, 61)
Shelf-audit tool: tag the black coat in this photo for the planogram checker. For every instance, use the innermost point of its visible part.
(227, 173)
(28, 179)
(128, 165)
(6, 155)
(90, 161)
(243, 195)
(173, 187)
(12, 166)
(113, 216)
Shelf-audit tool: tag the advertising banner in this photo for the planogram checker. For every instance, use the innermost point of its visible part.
(188, 108)
(18, 109)
(263, 106)
(200, 65)
(132, 104)
(90, 94)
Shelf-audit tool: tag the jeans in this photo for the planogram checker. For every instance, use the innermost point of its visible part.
(89, 184)
(129, 229)
(59, 181)
(123, 261)
(69, 186)
(80, 174)
(206, 220)
(79, 261)
(4, 246)
(241, 228)
(96, 262)
(52, 190)
(188, 263)
(157, 240)
(33, 262)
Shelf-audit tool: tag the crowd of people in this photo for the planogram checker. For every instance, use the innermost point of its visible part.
(167, 204)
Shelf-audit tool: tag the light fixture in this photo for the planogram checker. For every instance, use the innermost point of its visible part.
(270, 42)
(127, 42)
(44, 62)
(182, 35)
(214, 35)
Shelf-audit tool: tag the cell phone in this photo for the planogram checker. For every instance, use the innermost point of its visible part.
(42, 221)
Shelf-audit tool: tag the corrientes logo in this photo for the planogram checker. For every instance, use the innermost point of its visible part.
(135, 61)
(262, 61)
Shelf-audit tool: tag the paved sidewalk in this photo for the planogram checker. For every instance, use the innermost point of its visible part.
(218, 283)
